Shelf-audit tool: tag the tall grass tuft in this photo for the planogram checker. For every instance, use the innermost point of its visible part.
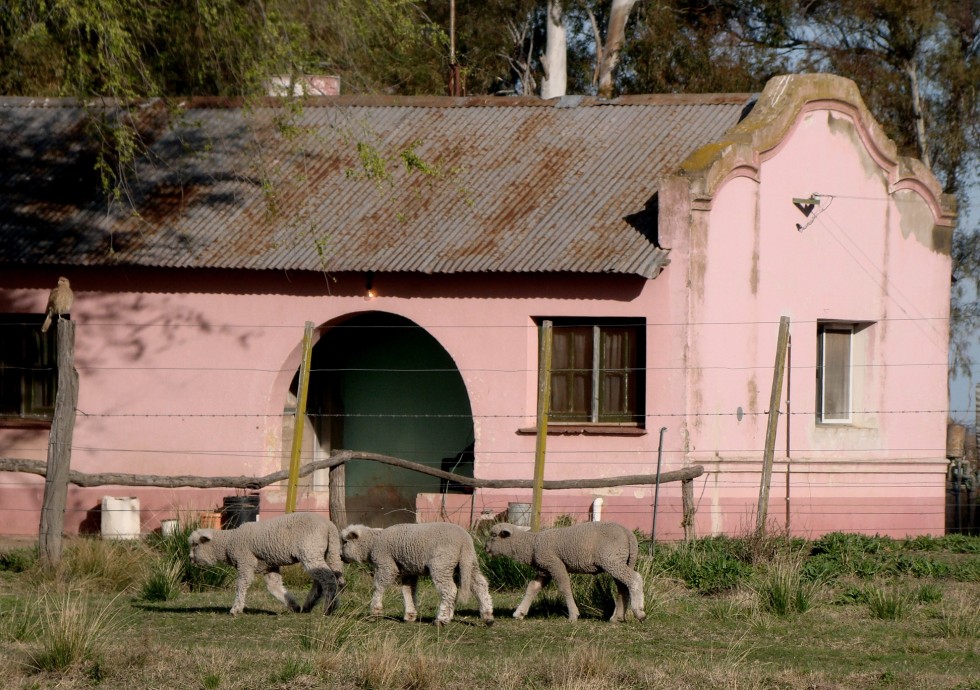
(784, 589)
(887, 603)
(387, 664)
(164, 581)
(104, 565)
(960, 618)
(73, 631)
(22, 622)
(291, 669)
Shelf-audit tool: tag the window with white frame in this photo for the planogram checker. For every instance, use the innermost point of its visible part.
(28, 369)
(597, 371)
(835, 346)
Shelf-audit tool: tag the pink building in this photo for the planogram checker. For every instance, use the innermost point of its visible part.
(427, 239)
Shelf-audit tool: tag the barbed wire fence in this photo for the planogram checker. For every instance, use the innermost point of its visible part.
(726, 469)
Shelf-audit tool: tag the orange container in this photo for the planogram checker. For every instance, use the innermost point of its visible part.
(211, 520)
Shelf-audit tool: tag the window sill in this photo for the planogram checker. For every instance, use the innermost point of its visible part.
(24, 423)
(587, 430)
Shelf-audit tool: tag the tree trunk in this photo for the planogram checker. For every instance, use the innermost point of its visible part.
(615, 35)
(918, 115)
(555, 59)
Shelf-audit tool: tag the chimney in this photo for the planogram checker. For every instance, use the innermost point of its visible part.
(303, 85)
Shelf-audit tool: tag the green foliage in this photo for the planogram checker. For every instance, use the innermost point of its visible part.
(503, 572)
(19, 560)
(176, 555)
(20, 621)
(709, 566)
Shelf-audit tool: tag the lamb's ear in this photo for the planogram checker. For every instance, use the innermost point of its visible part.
(504, 533)
(204, 538)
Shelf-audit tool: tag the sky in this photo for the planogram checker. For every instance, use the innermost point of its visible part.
(962, 388)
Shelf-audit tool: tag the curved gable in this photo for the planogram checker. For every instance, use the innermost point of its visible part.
(785, 100)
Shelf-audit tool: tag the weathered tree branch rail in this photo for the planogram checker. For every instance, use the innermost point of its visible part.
(336, 459)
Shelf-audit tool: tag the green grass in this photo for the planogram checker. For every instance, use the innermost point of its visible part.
(694, 637)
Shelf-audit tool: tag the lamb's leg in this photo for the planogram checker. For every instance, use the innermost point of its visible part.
(636, 596)
(564, 584)
(273, 582)
(410, 593)
(622, 594)
(245, 574)
(481, 588)
(324, 587)
(383, 578)
(533, 587)
(443, 582)
(630, 585)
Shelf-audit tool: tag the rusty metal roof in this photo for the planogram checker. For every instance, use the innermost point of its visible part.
(429, 184)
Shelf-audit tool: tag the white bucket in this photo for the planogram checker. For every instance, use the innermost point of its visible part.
(168, 527)
(519, 514)
(120, 517)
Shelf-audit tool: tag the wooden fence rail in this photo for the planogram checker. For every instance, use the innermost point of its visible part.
(339, 458)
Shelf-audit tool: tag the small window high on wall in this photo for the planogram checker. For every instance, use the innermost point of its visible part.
(597, 371)
(834, 372)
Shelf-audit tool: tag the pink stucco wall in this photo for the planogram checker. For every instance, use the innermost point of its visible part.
(856, 260)
(187, 372)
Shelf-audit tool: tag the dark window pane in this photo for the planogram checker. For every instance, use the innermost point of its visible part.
(604, 387)
(28, 378)
(571, 373)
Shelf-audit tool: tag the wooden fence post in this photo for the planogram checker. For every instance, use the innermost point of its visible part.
(338, 495)
(59, 449)
(687, 498)
(779, 369)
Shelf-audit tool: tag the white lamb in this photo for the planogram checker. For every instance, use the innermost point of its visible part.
(590, 548)
(402, 553)
(264, 547)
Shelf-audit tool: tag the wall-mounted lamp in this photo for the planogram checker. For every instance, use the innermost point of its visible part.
(369, 291)
(806, 206)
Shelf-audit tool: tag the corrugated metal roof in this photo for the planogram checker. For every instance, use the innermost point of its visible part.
(430, 184)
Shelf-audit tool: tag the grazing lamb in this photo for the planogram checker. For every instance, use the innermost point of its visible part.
(590, 548)
(402, 553)
(264, 547)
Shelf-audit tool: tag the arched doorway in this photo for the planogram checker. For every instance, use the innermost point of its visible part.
(381, 383)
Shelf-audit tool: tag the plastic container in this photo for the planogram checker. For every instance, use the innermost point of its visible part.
(120, 517)
(168, 527)
(237, 510)
(519, 514)
(210, 520)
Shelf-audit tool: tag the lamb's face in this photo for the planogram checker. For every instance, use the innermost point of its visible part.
(498, 544)
(357, 540)
(202, 552)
